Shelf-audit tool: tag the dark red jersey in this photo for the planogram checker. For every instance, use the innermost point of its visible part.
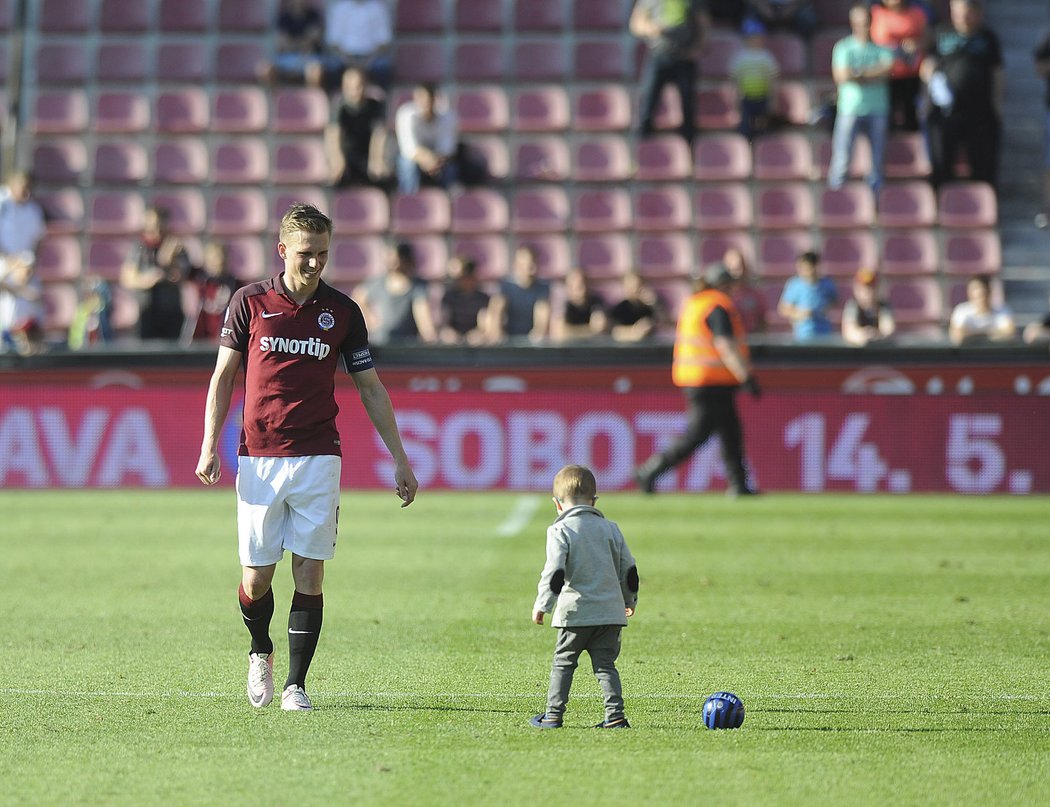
(290, 353)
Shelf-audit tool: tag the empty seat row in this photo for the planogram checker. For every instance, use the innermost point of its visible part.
(174, 16)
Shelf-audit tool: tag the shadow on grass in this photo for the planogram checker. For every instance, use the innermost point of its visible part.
(375, 707)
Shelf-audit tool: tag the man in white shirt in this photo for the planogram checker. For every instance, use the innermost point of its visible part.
(360, 33)
(21, 218)
(978, 319)
(21, 228)
(427, 137)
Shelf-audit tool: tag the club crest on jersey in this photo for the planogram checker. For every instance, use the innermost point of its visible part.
(326, 320)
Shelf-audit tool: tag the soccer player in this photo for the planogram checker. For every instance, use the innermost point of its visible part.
(290, 333)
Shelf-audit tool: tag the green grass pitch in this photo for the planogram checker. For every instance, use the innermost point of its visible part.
(889, 650)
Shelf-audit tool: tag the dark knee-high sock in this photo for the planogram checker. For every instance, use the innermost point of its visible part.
(257, 615)
(304, 628)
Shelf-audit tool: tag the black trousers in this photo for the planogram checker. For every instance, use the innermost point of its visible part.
(659, 71)
(980, 134)
(712, 410)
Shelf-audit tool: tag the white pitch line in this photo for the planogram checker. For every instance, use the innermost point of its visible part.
(521, 514)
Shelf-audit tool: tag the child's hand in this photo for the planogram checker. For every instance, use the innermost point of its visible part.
(537, 617)
(629, 611)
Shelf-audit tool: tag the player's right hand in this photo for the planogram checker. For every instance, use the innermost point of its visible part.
(208, 469)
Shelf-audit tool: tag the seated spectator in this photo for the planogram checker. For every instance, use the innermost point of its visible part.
(22, 223)
(359, 33)
(299, 57)
(155, 271)
(21, 307)
(755, 71)
(521, 306)
(215, 286)
(807, 298)
(977, 320)
(396, 305)
(866, 318)
(798, 16)
(426, 141)
(93, 318)
(356, 137)
(900, 26)
(464, 306)
(582, 315)
(1038, 332)
(749, 301)
(1042, 67)
(638, 314)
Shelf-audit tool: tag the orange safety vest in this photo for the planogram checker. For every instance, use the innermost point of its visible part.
(696, 362)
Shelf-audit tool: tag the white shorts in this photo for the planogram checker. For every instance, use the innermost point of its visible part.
(287, 503)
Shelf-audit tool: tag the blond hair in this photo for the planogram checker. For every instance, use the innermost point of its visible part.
(575, 483)
(305, 218)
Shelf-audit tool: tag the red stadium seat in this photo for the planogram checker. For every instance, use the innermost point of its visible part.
(431, 256)
(786, 206)
(972, 252)
(663, 209)
(182, 111)
(482, 109)
(722, 158)
(602, 210)
(183, 16)
(120, 162)
(713, 247)
(62, 63)
(479, 211)
(116, 213)
(860, 162)
(122, 17)
(777, 252)
(783, 157)
(123, 61)
(540, 210)
(915, 301)
(60, 112)
(542, 159)
(849, 207)
(723, 207)
(239, 111)
(425, 212)
(541, 109)
(539, 15)
(65, 16)
(238, 62)
(717, 108)
(281, 200)
(910, 253)
(186, 62)
(477, 16)
(844, 252)
(822, 45)
(63, 210)
(489, 253)
(187, 212)
(967, 204)
(601, 159)
(107, 254)
(302, 110)
(59, 161)
(793, 102)
(244, 15)
(607, 255)
(238, 212)
(600, 15)
(244, 161)
(356, 259)
(790, 53)
(602, 59)
(419, 17)
(421, 61)
(59, 258)
(667, 255)
(300, 162)
(663, 158)
(602, 109)
(492, 150)
(247, 259)
(60, 304)
(906, 157)
(180, 162)
(479, 60)
(719, 49)
(543, 59)
(668, 113)
(551, 251)
(121, 112)
(361, 210)
(907, 204)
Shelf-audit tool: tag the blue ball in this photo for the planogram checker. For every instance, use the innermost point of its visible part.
(723, 710)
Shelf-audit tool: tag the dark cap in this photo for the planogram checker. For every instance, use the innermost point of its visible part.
(714, 274)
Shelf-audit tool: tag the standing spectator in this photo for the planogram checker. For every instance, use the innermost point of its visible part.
(1042, 67)
(427, 135)
(359, 33)
(582, 316)
(300, 39)
(93, 319)
(977, 319)
(866, 317)
(674, 32)
(861, 71)
(21, 309)
(396, 304)
(215, 287)
(755, 71)
(797, 16)
(900, 25)
(464, 306)
(521, 306)
(638, 314)
(749, 301)
(355, 139)
(807, 298)
(965, 80)
(22, 222)
(711, 362)
(155, 271)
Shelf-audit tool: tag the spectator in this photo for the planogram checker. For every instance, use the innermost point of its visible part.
(21, 307)
(22, 222)
(155, 271)
(521, 307)
(93, 319)
(356, 136)
(749, 301)
(582, 316)
(1038, 332)
(396, 304)
(464, 306)
(1042, 67)
(861, 71)
(674, 32)
(900, 25)
(866, 318)
(728, 12)
(638, 314)
(300, 38)
(215, 287)
(798, 16)
(359, 33)
(964, 78)
(755, 71)
(977, 319)
(806, 299)
(426, 140)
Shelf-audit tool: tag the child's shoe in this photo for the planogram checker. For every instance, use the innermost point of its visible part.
(544, 722)
(615, 723)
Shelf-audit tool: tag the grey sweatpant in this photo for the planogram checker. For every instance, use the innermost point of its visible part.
(602, 643)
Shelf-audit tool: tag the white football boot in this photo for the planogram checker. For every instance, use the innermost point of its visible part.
(295, 699)
(260, 679)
